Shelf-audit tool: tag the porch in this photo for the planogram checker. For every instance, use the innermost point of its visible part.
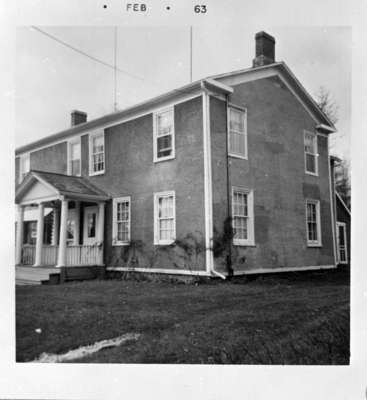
(75, 230)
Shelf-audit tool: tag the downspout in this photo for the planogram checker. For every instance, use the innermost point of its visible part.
(229, 213)
(208, 176)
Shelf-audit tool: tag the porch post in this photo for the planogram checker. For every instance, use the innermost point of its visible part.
(100, 228)
(61, 260)
(77, 223)
(100, 231)
(55, 227)
(39, 239)
(20, 233)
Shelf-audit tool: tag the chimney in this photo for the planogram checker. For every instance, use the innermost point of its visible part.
(265, 49)
(78, 117)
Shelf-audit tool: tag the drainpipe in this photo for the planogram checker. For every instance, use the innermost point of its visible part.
(212, 271)
(229, 214)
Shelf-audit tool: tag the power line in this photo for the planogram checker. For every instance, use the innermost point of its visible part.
(114, 67)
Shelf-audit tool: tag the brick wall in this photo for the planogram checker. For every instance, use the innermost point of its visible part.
(51, 159)
(275, 171)
(130, 171)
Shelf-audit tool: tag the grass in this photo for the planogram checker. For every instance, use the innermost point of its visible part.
(298, 318)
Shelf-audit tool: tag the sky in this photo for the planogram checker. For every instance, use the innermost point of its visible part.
(51, 79)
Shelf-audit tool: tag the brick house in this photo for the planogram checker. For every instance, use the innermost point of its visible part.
(226, 175)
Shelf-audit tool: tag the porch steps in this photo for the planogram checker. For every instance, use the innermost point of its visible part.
(33, 275)
(27, 275)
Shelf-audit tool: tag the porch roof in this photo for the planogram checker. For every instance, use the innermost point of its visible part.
(41, 186)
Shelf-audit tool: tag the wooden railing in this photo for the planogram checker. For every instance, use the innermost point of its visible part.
(84, 255)
(49, 255)
(28, 254)
(75, 255)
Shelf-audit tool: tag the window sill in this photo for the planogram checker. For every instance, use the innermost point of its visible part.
(157, 160)
(243, 243)
(164, 243)
(121, 244)
(237, 156)
(314, 244)
(311, 173)
(96, 173)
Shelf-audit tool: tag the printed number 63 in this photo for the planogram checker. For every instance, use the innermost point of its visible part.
(200, 9)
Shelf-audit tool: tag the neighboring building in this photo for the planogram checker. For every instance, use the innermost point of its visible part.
(342, 217)
(158, 186)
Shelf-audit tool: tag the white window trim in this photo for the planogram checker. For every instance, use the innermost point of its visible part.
(69, 143)
(338, 223)
(115, 201)
(316, 173)
(156, 225)
(318, 242)
(91, 136)
(22, 159)
(244, 110)
(250, 241)
(155, 137)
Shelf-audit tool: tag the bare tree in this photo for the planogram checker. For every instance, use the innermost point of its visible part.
(327, 104)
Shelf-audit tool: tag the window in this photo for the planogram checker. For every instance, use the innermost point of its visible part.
(164, 135)
(24, 166)
(74, 161)
(311, 163)
(121, 221)
(342, 242)
(164, 218)
(313, 223)
(243, 217)
(96, 154)
(237, 138)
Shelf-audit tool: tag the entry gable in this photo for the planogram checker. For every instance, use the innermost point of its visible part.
(34, 190)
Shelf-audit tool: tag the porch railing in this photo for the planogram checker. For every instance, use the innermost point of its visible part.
(28, 254)
(75, 255)
(84, 255)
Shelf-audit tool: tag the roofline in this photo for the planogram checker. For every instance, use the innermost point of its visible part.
(329, 127)
(115, 116)
(342, 201)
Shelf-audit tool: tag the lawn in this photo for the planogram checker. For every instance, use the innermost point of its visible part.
(297, 318)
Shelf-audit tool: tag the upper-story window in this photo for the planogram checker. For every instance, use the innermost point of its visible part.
(96, 154)
(164, 135)
(237, 132)
(24, 166)
(311, 156)
(74, 157)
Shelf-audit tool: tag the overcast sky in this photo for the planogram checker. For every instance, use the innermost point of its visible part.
(52, 80)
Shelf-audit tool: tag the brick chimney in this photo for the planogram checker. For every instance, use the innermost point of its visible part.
(78, 117)
(265, 49)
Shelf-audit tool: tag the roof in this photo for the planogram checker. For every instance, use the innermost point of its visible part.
(338, 197)
(216, 82)
(74, 187)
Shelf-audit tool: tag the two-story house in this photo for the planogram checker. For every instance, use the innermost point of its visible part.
(226, 175)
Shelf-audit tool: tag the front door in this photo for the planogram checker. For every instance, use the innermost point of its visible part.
(342, 242)
(90, 225)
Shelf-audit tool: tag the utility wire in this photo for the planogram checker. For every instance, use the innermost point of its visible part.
(86, 54)
(114, 67)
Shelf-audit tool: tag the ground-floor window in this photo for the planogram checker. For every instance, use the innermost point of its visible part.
(341, 233)
(164, 217)
(121, 221)
(313, 223)
(243, 217)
